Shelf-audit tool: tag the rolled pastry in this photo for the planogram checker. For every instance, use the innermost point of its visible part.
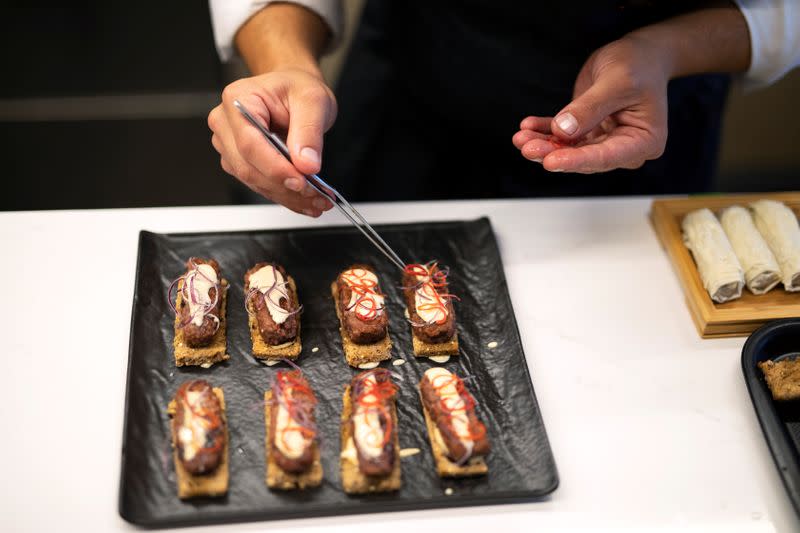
(761, 270)
(779, 227)
(719, 269)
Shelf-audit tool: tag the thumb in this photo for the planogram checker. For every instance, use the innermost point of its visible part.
(307, 123)
(586, 111)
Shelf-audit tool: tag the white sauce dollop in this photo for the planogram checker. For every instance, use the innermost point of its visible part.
(408, 452)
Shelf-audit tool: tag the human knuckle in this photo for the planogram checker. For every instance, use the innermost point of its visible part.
(657, 152)
(213, 119)
(249, 145)
(634, 164)
(242, 171)
(657, 148)
(314, 94)
(230, 92)
(246, 146)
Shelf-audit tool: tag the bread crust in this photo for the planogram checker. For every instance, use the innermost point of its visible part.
(358, 354)
(783, 378)
(353, 481)
(425, 349)
(204, 356)
(212, 484)
(276, 477)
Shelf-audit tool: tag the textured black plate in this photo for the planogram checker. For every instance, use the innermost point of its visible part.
(521, 463)
(780, 421)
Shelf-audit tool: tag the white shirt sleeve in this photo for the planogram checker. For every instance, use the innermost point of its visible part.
(227, 16)
(774, 39)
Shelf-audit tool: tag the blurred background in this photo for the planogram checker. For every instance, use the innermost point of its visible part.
(105, 104)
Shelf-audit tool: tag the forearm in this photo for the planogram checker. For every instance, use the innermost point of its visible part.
(712, 39)
(282, 35)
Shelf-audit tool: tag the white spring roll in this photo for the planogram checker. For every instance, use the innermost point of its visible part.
(716, 261)
(779, 227)
(761, 270)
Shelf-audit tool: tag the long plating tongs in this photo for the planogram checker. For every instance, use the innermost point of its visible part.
(319, 185)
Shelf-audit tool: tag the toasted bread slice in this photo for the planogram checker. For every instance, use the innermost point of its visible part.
(211, 484)
(783, 378)
(359, 354)
(425, 349)
(278, 478)
(353, 481)
(207, 355)
(288, 350)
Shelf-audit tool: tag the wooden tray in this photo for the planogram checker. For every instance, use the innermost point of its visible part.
(738, 317)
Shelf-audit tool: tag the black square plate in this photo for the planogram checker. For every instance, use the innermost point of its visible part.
(521, 465)
(780, 421)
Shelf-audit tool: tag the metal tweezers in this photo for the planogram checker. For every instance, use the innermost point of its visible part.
(319, 185)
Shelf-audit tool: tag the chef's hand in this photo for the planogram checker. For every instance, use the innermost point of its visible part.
(289, 96)
(618, 115)
(290, 101)
(617, 119)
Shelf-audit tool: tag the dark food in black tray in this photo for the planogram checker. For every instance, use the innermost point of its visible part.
(198, 427)
(208, 311)
(281, 296)
(521, 466)
(778, 341)
(430, 282)
(365, 319)
(198, 302)
(199, 440)
(292, 392)
(458, 439)
(292, 447)
(372, 423)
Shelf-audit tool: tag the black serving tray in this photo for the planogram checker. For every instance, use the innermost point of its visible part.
(521, 465)
(780, 421)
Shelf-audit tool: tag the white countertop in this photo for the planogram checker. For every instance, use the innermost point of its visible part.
(651, 427)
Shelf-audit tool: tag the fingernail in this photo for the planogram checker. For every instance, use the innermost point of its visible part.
(567, 123)
(293, 184)
(537, 160)
(556, 170)
(320, 204)
(310, 212)
(310, 155)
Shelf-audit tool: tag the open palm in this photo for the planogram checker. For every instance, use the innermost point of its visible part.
(617, 119)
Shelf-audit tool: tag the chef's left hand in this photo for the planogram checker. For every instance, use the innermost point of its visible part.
(617, 118)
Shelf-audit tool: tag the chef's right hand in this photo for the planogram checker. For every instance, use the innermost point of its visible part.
(293, 103)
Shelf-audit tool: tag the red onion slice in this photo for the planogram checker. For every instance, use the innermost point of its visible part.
(188, 292)
(292, 364)
(170, 297)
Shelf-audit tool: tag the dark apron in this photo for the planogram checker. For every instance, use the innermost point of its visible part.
(433, 91)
